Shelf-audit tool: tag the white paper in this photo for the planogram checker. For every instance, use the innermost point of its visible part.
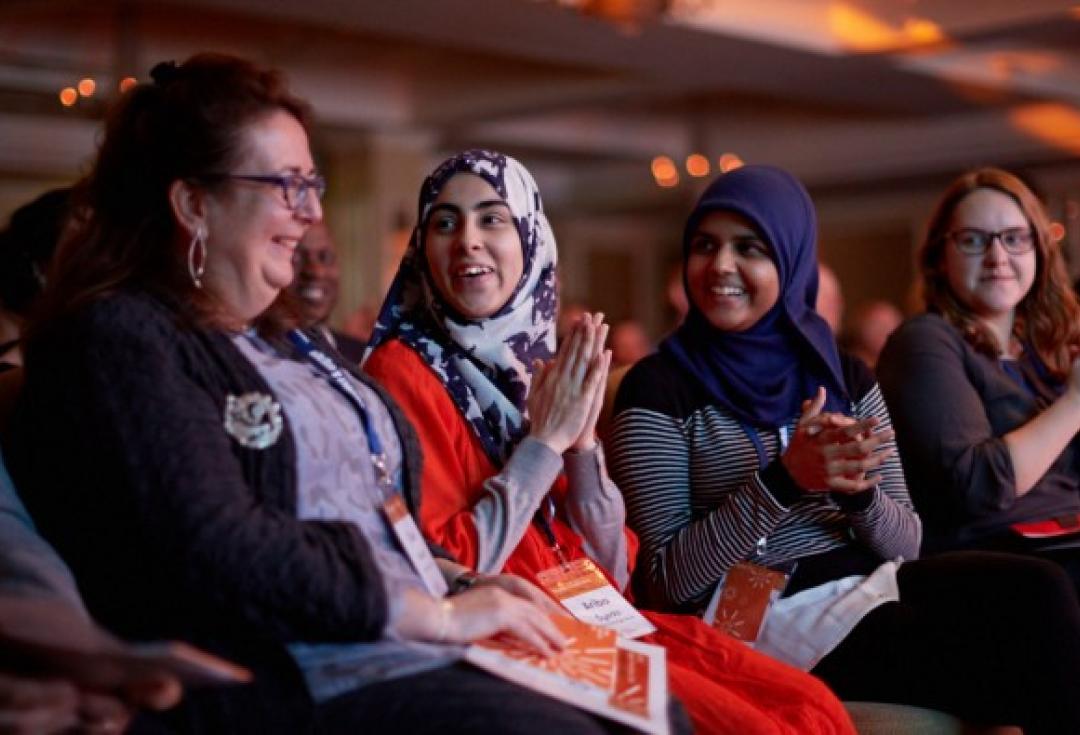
(608, 609)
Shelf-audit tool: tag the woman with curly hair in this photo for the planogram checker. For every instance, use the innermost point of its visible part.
(984, 388)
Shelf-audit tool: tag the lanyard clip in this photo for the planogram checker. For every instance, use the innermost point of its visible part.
(382, 471)
(760, 547)
(560, 554)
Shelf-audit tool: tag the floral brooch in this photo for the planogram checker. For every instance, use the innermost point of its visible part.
(253, 419)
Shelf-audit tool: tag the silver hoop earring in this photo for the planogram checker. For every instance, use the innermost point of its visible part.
(196, 257)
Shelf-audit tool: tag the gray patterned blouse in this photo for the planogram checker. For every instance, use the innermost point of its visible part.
(336, 481)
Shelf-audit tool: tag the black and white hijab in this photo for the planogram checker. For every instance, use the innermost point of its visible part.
(485, 364)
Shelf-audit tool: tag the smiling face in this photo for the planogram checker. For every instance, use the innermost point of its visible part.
(472, 247)
(992, 284)
(251, 233)
(318, 274)
(730, 273)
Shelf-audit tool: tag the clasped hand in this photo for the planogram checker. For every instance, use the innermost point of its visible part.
(830, 452)
(568, 391)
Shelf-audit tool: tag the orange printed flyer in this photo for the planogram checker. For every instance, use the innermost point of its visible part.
(599, 671)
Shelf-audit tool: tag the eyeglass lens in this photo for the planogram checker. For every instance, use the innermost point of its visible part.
(975, 241)
(297, 187)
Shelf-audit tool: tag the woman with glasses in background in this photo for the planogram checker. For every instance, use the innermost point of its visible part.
(984, 388)
(754, 456)
(216, 475)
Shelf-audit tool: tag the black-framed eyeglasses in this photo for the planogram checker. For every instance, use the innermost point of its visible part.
(294, 187)
(973, 241)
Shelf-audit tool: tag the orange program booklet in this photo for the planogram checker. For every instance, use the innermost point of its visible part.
(599, 671)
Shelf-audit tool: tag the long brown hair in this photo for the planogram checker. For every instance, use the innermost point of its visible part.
(1048, 317)
(186, 124)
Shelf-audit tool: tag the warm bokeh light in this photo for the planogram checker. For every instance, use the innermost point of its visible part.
(629, 16)
(697, 165)
(663, 167)
(1004, 65)
(665, 172)
(920, 30)
(127, 83)
(1053, 123)
(856, 29)
(729, 162)
(1057, 232)
(87, 86)
(68, 96)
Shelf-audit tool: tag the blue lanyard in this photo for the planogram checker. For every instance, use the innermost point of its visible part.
(752, 435)
(340, 381)
(763, 460)
(759, 446)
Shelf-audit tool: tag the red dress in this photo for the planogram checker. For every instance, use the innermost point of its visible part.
(726, 686)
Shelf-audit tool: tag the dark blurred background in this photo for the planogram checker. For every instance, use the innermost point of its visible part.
(623, 109)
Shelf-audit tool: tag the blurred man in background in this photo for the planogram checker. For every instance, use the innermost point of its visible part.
(830, 298)
(26, 248)
(867, 329)
(316, 285)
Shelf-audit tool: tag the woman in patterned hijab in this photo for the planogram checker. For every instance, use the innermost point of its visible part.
(485, 360)
(513, 479)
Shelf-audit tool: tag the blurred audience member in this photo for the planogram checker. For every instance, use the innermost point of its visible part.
(28, 565)
(867, 329)
(26, 247)
(39, 603)
(569, 315)
(830, 298)
(318, 276)
(629, 343)
(676, 294)
(361, 323)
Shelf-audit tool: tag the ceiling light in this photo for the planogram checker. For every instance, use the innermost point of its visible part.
(697, 165)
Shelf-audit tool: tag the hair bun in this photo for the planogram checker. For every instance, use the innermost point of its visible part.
(165, 73)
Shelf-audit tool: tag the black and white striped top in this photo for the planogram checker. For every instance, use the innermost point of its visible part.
(699, 502)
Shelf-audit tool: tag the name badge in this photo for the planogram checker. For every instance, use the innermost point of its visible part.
(743, 599)
(413, 544)
(584, 590)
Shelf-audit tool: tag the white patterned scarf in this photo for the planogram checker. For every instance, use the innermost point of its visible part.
(485, 364)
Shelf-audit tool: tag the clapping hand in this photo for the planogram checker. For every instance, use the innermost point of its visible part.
(568, 392)
(831, 452)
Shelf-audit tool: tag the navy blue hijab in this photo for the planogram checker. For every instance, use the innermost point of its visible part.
(763, 374)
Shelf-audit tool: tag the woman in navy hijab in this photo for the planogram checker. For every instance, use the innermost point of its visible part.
(760, 474)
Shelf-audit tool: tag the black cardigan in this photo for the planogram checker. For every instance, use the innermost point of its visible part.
(172, 528)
